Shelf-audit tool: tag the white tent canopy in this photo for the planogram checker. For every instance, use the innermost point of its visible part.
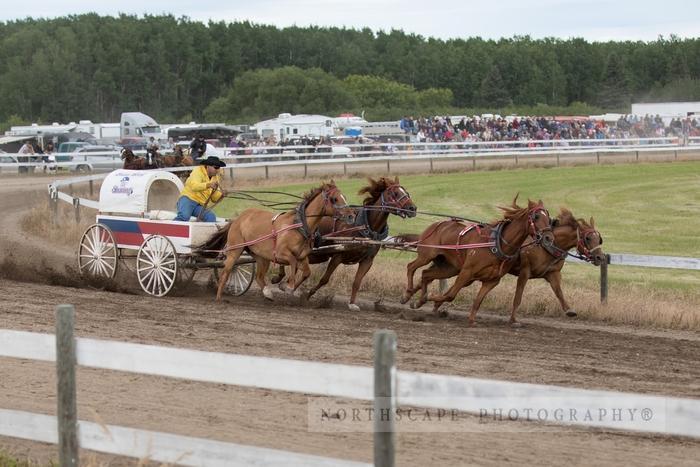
(139, 191)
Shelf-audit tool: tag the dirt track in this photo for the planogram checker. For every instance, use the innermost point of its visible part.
(549, 351)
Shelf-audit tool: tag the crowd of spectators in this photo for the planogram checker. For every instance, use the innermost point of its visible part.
(533, 129)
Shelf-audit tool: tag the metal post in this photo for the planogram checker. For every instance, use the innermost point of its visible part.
(557, 159)
(306, 170)
(345, 168)
(675, 155)
(516, 159)
(473, 162)
(637, 157)
(65, 372)
(230, 173)
(267, 174)
(76, 207)
(388, 167)
(92, 188)
(604, 280)
(597, 156)
(384, 398)
(431, 165)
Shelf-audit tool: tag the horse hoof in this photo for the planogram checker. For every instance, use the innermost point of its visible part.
(404, 299)
(353, 307)
(443, 313)
(571, 313)
(515, 324)
(472, 324)
(276, 279)
(297, 293)
(267, 293)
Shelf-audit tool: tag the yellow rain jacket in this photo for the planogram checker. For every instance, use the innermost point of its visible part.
(196, 186)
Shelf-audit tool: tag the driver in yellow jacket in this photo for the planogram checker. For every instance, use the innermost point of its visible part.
(203, 186)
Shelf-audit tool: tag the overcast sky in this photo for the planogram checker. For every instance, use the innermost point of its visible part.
(595, 20)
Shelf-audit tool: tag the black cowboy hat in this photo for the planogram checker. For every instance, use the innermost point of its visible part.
(213, 161)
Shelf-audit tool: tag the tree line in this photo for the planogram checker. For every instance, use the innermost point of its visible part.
(176, 69)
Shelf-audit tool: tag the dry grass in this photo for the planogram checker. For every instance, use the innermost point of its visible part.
(630, 304)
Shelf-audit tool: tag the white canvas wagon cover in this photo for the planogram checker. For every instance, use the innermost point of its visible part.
(139, 191)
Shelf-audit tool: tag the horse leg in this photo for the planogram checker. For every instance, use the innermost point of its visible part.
(420, 261)
(428, 276)
(523, 277)
(463, 279)
(305, 273)
(231, 258)
(486, 287)
(261, 267)
(554, 279)
(330, 269)
(362, 270)
(280, 275)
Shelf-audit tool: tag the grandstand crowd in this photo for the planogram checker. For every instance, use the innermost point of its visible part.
(544, 128)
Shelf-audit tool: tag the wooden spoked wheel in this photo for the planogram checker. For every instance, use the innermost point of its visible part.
(98, 255)
(157, 265)
(240, 280)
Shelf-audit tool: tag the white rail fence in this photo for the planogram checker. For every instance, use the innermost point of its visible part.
(385, 386)
(264, 156)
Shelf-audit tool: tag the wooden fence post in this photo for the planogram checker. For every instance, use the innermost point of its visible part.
(604, 280)
(53, 200)
(76, 207)
(384, 398)
(67, 413)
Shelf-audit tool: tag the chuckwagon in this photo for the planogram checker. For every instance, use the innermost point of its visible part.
(135, 227)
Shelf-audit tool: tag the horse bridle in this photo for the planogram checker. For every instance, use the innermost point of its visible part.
(581, 245)
(534, 231)
(397, 205)
(327, 196)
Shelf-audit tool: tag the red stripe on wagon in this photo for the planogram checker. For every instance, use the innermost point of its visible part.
(128, 238)
(168, 230)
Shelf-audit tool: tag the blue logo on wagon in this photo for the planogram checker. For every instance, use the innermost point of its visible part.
(123, 187)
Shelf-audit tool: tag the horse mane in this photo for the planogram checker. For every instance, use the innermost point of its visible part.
(375, 189)
(311, 194)
(566, 217)
(514, 211)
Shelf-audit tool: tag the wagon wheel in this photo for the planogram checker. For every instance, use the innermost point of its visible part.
(157, 265)
(186, 271)
(239, 281)
(97, 253)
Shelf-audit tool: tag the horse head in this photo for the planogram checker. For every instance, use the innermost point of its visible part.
(590, 242)
(127, 154)
(335, 204)
(539, 222)
(391, 196)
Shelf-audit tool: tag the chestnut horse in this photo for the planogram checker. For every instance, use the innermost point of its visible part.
(474, 253)
(131, 162)
(545, 261)
(177, 159)
(283, 238)
(383, 197)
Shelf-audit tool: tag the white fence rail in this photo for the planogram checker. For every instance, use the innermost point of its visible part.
(286, 155)
(159, 447)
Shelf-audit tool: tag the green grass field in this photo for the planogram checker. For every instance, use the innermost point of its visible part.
(639, 208)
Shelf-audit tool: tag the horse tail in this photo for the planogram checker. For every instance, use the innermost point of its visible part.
(406, 238)
(214, 245)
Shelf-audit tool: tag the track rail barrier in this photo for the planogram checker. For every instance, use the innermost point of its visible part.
(383, 385)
